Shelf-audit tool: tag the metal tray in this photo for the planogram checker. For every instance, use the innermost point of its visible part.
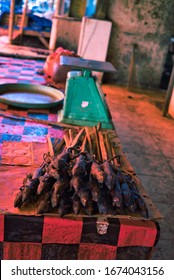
(30, 95)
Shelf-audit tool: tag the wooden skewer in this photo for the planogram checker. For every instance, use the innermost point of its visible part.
(130, 173)
(114, 159)
(77, 138)
(108, 146)
(71, 135)
(99, 157)
(50, 146)
(57, 145)
(89, 140)
(67, 139)
(102, 146)
(83, 147)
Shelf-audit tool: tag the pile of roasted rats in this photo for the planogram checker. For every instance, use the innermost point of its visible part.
(80, 178)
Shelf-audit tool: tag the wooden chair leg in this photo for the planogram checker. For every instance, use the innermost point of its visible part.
(24, 12)
(11, 21)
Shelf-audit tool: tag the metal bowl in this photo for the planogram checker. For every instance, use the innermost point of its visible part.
(30, 95)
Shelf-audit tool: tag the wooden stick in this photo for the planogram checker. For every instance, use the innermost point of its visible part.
(54, 28)
(24, 12)
(83, 147)
(71, 135)
(130, 173)
(11, 21)
(89, 140)
(102, 146)
(57, 146)
(67, 139)
(99, 157)
(50, 146)
(115, 160)
(42, 39)
(109, 147)
(77, 138)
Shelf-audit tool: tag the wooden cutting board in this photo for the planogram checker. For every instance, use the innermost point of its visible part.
(17, 153)
(14, 170)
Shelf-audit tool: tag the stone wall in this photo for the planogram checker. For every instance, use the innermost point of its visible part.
(139, 40)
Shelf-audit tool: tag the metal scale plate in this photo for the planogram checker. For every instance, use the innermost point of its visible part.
(86, 64)
(84, 102)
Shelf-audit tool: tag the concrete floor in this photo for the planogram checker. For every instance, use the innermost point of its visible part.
(148, 141)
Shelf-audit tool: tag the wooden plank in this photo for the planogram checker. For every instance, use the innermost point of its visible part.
(94, 40)
(43, 40)
(12, 178)
(17, 153)
(54, 28)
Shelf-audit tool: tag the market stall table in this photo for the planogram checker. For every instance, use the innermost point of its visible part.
(24, 235)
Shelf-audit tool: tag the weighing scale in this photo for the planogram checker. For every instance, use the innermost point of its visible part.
(84, 102)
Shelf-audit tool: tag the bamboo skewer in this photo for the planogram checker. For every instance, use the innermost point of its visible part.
(84, 143)
(97, 144)
(102, 147)
(50, 146)
(67, 138)
(108, 146)
(71, 135)
(89, 140)
(57, 145)
(76, 139)
(115, 160)
(105, 149)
